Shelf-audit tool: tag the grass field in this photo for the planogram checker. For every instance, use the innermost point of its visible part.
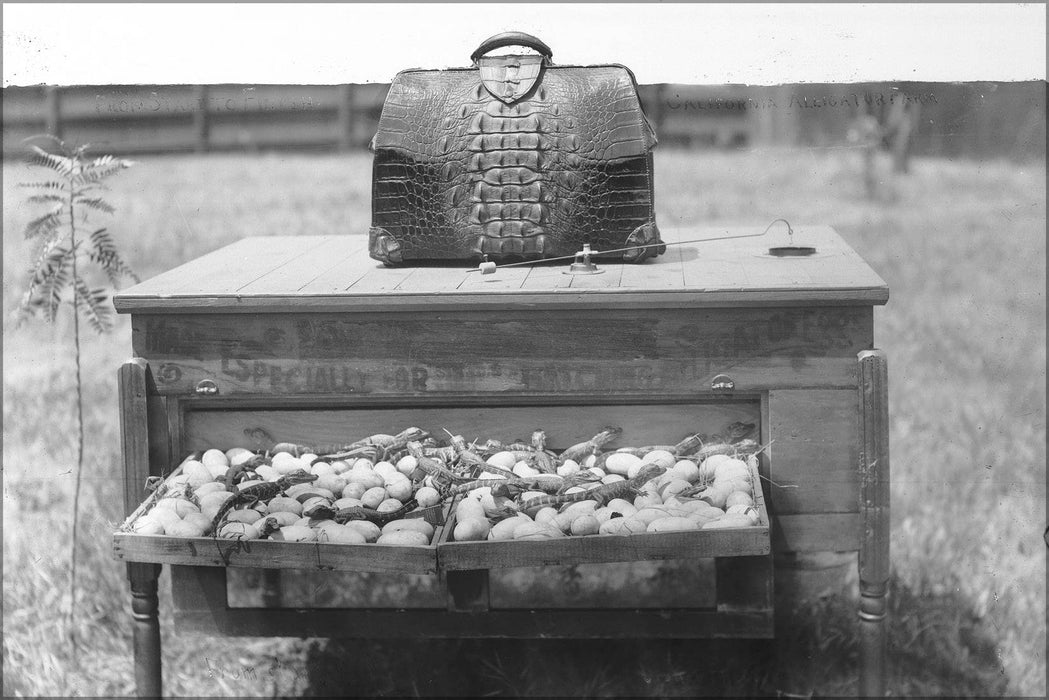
(962, 246)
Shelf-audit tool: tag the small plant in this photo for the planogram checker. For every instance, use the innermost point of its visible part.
(65, 245)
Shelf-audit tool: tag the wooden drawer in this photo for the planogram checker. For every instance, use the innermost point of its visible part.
(271, 554)
(225, 423)
(594, 549)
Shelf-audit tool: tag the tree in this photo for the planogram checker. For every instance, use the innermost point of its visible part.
(65, 245)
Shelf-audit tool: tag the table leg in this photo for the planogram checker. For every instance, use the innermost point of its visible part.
(874, 548)
(873, 641)
(144, 609)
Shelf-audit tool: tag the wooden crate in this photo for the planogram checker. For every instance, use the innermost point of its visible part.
(310, 340)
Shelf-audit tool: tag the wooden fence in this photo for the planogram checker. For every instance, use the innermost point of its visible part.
(967, 119)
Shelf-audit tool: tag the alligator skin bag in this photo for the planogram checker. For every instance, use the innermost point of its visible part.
(514, 158)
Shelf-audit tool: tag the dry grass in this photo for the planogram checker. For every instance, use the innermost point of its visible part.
(962, 246)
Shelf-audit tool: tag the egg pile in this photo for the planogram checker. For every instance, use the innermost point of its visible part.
(718, 493)
(193, 498)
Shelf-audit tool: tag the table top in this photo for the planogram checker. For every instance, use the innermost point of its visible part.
(333, 273)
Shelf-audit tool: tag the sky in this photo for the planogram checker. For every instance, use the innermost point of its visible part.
(86, 44)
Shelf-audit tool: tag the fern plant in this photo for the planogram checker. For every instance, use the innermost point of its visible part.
(66, 246)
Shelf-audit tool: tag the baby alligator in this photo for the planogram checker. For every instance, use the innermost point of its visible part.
(382, 443)
(344, 515)
(743, 447)
(507, 487)
(602, 494)
(582, 450)
(434, 468)
(240, 472)
(261, 492)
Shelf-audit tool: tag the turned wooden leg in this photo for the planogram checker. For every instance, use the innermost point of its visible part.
(874, 548)
(137, 390)
(146, 625)
(873, 640)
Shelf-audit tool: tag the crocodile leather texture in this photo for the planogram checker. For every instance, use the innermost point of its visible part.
(517, 159)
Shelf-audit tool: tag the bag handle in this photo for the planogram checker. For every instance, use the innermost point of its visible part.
(511, 39)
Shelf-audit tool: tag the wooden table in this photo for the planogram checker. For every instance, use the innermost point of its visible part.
(304, 336)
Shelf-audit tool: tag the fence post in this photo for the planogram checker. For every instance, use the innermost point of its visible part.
(658, 108)
(53, 115)
(760, 115)
(200, 119)
(347, 120)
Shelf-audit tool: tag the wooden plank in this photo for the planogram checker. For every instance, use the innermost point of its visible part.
(175, 437)
(505, 279)
(566, 425)
(835, 264)
(269, 254)
(768, 272)
(133, 379)
(718, 272)
(661, 272)
(682, 333)
(816, 532)
(596, 549)
(609, 277)
(761, 469)
(229, 268)
(343, 273)
(379, 278)
(814, 451)
(161, 456)
(473, 352)
(547, 277)
(195, 271)
(290, 377)
(499, 300)
(831, 268)
(496, 624)
(433, 279)
(298, 271)
(697, 274)
(207, 551)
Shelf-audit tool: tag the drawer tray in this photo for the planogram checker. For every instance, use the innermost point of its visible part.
(271, 554)
(594, 549)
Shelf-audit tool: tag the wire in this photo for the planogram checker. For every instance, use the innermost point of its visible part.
(594, 253)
